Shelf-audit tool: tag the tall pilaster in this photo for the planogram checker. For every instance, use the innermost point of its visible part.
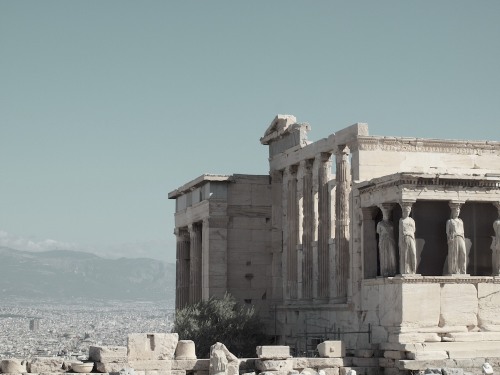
(324, 214)
(195, 263)
(182, 268)
(343, 189)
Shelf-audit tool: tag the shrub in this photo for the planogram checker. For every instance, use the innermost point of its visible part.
(220, 320)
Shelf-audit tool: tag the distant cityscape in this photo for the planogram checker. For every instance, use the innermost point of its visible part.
(67, 328)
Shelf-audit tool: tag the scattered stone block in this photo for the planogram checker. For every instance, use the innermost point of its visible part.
(108, 354)
(427, 355)
(331, 349)
(46, 364)
(452, 371)
(222, 361)
(273, 352)
(191, 364)
(394, 354)
(274, 365)
(148, 365)
(151, 346)
(487, 369)
(320, 363)
(331, 370)
(363, 353)
(111, 366)
(13, 366)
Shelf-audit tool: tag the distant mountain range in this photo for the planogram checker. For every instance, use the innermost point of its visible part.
(72, 274)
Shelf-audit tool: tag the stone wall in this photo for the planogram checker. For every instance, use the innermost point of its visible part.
(164, 354)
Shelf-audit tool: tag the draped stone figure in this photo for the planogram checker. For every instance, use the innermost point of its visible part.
(495, 245)
(407, 246)
(457, 251)
(387, 245)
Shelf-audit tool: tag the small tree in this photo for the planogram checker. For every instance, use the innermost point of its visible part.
(223, 320)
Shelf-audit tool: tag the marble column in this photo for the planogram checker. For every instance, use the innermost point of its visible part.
(195, 262)
(285, 233)
(343, 189)
(369, 242)
(324, 215)
(277, 235)
(292, 229)
(307, 231)
(182, 268)
(300, 226)
(314, 224)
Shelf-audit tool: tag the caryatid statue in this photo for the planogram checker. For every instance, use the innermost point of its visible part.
(386, 244)
(457, 251)
(407, 246)
(495, 244)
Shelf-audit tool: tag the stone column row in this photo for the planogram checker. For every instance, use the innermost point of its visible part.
(306, 229)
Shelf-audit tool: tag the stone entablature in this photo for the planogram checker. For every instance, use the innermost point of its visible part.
(406, 144)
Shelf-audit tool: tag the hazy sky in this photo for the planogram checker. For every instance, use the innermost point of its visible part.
(106, 106)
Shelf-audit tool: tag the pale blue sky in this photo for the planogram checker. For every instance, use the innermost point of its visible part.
(106, 106)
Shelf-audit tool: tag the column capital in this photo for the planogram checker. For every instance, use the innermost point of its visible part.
(407, 202)
(323, 156)
(342, 150)
(455, 203)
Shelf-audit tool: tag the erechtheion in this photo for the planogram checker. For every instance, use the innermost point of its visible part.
(387, 241)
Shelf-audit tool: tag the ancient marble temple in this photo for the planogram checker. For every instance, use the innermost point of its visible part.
(399, 237)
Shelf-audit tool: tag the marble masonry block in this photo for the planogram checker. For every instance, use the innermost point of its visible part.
(370, 297)
(319, 363)
(364, 362)
(427, 355)
(390, 310)
(110, 366)
(274, 365)
(331, 370)
(459, 305)
(13, 366)
(273, 352)
(415, 337)
(364, 353)
(190, 364)
(331, 349)
(151, 364)
(420, 305)
(46, 364)
(108, 353)
(489, 305)
(151, 346)
(386, 362)
(394, 354)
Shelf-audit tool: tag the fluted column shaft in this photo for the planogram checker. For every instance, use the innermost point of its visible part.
(307, 232)
(324, 213)
(343, 189)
